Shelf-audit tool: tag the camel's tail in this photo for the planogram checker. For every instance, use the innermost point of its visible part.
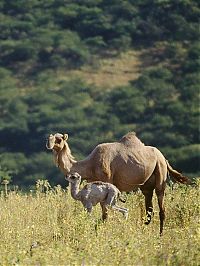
(178, 176)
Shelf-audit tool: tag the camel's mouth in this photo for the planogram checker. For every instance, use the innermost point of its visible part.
(50, 142)
(48, 146)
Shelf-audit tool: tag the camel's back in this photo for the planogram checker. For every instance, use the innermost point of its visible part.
(134, 148)
(128, 161)
(129, 143)
(98, 191)
(134, 164)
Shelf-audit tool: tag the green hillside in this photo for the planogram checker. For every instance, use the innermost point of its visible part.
(96, 70)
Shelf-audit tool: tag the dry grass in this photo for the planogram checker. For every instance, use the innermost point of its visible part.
(109, 72)
(53, 229)
(114, 71)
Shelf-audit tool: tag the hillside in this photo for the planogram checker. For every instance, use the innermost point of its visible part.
(96, 70)
(109, 72)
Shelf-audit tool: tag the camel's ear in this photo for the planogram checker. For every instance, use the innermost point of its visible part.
(65, 136)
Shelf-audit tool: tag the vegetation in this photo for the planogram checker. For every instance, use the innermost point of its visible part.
(96, 70)
(43, 42)
(50, 228)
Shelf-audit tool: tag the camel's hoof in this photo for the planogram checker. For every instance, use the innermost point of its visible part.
(149, 216)
(148, 220)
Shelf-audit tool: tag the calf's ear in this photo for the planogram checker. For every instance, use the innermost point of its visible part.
(65, 136)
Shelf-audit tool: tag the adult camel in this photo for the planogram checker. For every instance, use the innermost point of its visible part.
(127, 164)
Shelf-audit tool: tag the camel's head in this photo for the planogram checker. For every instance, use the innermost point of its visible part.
(73, 178)
(56, 142)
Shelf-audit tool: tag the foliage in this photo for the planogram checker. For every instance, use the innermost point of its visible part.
(4, 175)
(58, 35)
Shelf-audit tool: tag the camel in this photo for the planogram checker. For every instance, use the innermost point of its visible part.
(128, 164)
(96, 192)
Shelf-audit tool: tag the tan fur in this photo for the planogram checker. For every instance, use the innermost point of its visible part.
(127, 164)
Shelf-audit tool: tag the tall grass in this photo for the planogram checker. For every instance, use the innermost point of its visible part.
(52, 229)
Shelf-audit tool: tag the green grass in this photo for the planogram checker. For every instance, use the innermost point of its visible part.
(65, 235)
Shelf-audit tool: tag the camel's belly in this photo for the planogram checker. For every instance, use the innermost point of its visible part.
(125, 186)
(130, 181)
(133, 169)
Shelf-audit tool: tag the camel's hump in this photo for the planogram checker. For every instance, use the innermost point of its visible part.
(129, 135)
(131, 138)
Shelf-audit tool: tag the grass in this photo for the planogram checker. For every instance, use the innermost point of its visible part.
(52, 229)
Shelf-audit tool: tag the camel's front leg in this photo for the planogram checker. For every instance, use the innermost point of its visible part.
(88, 206)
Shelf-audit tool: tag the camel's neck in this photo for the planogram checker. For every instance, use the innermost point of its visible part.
(75, 193)
(83, 168)
(65, 161)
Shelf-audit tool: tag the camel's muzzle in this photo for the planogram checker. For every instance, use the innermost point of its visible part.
(50, 143)
(49, 147)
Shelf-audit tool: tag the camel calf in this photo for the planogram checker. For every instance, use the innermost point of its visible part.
(96, 192)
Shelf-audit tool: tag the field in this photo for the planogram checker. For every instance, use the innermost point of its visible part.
(51, 228)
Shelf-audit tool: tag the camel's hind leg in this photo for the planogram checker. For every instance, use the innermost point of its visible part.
(161, 176)
(124, 211)
(104, 205)
(111, 201)
(147, 190)
(111, 198)
(160, 195)
(148, 205)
